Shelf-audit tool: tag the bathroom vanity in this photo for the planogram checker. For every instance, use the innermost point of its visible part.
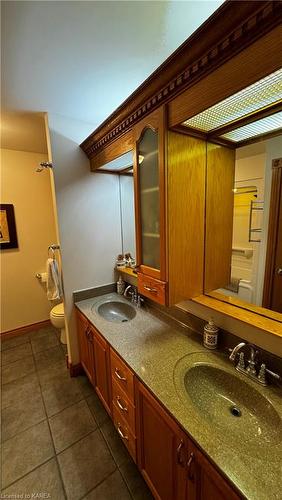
(209, 233)
(180, 432)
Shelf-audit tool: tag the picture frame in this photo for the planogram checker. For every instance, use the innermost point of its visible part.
(8, 232)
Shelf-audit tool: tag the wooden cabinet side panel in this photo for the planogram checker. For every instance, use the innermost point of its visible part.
(219, 215)
(85, 347)
(186, 165)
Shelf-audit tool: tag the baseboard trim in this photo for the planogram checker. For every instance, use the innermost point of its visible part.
(25, 329)
(75, 370)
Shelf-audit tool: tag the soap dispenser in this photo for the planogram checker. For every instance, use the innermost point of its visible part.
(210, 335)
(120, 286)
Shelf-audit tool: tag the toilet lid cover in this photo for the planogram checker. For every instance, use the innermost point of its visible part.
(58, 310)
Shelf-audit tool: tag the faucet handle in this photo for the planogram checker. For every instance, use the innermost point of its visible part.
(241, 362)
(261, 375)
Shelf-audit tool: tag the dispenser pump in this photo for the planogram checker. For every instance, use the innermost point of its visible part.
(210, 335)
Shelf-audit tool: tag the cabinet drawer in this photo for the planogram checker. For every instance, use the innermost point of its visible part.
(123, 406)
(126, 435)
(122, 375)
(152, 288)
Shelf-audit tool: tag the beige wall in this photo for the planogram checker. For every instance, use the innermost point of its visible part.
(24, 300)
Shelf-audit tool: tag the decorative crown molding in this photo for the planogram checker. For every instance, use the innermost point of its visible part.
(264, 17)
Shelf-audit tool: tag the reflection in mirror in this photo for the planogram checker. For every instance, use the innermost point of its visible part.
(123, 167)
(252, 202)
(126, 187)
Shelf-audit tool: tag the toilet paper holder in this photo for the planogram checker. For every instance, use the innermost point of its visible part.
(41, 277)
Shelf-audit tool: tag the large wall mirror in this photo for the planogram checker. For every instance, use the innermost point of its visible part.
(243, 237)
(236, 268)
(123, 167)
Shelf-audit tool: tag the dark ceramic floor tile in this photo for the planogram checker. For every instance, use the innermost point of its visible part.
(135, 483)
(22, 453)
(16, 353)
(45, 480)
(64, 348)
(48, 358)
(20, 389)
(57, 372)
(97, 409)
(14, 341)
(86, 387)
(42, 343)
(42, 332)
(59, 394)
(18, 369)
(85, 464)
(114, 442)
(71, 424)
(112, 488)
(22, 414)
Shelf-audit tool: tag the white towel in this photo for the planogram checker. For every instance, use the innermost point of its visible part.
(54, 283)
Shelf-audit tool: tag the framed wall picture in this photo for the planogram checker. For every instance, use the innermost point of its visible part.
(8, 232)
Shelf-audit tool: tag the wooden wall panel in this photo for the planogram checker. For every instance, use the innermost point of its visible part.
(260, 59)
(219, 215)
(112, 151)
(185, 214)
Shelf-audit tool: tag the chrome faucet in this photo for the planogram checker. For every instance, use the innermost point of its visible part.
(258, 374)
(131, 294)
(235, 350)
(135, 297)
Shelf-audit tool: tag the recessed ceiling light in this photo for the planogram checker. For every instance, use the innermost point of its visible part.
(257, 96)
(262, 126)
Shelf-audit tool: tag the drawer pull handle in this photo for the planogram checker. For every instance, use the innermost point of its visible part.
(149, 289)
(123, 436)
(189, 465)
(119, 376)
(180, 460)
(88, 334)
(123, 408)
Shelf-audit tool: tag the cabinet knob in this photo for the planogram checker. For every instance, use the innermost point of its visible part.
(189, 466)
(279, 271)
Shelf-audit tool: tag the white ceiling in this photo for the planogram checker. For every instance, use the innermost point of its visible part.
(81, 59)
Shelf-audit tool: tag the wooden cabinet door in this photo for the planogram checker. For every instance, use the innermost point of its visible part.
(208, 483)
(102, 366)
(149, 186)
(86, 347)
(161, 448)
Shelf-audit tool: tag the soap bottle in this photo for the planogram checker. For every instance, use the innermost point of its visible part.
(210, 335)
(120, 286)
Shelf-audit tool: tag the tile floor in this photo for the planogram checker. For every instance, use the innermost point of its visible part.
(56, 437)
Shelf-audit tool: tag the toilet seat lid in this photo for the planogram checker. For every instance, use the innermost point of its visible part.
(58, 310)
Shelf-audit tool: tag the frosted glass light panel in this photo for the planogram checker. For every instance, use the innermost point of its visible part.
(262, 126)
(257, 96)
(148, 165)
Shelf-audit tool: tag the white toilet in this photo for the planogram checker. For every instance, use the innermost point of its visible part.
(57, 318)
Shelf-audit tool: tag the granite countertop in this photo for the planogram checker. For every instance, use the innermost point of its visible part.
(157, 351)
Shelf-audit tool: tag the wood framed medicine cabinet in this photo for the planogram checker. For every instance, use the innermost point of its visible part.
(237, 46)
